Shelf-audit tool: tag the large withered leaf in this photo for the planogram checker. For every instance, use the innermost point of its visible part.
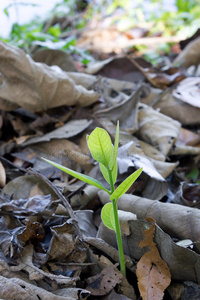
(35, 86)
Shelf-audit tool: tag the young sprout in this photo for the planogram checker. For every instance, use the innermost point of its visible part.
(105, 153)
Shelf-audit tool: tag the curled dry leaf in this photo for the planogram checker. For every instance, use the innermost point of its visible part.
(188, 195)
(177, 220)
(2, 176)
(152, 272)
(190, 55)
(38, 86)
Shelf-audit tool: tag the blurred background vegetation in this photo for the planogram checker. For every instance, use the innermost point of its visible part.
(158, 17)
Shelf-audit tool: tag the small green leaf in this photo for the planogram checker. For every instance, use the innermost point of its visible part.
(79, 176)
(100, 146)
(105, 172)
(106, 213)
(125, 185)
(115, 149)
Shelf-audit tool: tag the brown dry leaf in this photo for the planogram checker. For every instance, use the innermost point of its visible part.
(187, 137)
(38, 86)
(103, 283)
(158, 79)
(55, 57)
(183, 263)
(152, 272)
(157, 129)
(2, 176)
(190, 55)
(188, 195)
(65, 245)
(179, 221)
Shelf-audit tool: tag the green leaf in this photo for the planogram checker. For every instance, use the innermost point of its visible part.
(106, 213)
(125, 185)
(79, 176)
(115, 149)
(105, 172)
(100, 146)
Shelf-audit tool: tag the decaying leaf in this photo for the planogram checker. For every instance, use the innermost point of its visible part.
(104, 282)
(38, 87)
(152, 272)
(188, 194)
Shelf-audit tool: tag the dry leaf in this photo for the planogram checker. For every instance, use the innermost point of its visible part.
(2, 176)
(179, 221)
(190, 55)
(157, 129)
(104, 282)
(55, 57)
(38, 87)
(152, 272)
(188, 91)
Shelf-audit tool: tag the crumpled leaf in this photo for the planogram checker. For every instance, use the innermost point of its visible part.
(152, 272)
(55, 57)
(158, 79)
(177, 220)
(38, 86)
(64, 244)
(115, 108)
(188, 195)
(157, 129)
(188, 91)
(104, 282)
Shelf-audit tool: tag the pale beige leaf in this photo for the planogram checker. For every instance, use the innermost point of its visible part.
(38, 87)
(2, 176)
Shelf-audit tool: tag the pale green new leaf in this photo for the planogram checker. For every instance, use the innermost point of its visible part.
(79, 176)
(125, 185)
(115, 149)
(105, 172)
(100, 146)
(106, 213)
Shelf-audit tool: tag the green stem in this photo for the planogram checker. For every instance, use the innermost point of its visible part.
(117, 227)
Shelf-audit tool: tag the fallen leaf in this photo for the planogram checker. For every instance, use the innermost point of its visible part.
(2, 176)
(103, 283)
(188, 91)
(38, 86)
(152, 272)
(55, 57)
(190, 55)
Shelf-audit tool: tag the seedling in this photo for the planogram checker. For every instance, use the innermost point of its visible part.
(103, 151)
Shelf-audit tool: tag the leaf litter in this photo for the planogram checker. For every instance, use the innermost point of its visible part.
(52, 242)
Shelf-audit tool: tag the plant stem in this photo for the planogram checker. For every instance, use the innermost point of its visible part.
(117, 227)
(119, 238)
